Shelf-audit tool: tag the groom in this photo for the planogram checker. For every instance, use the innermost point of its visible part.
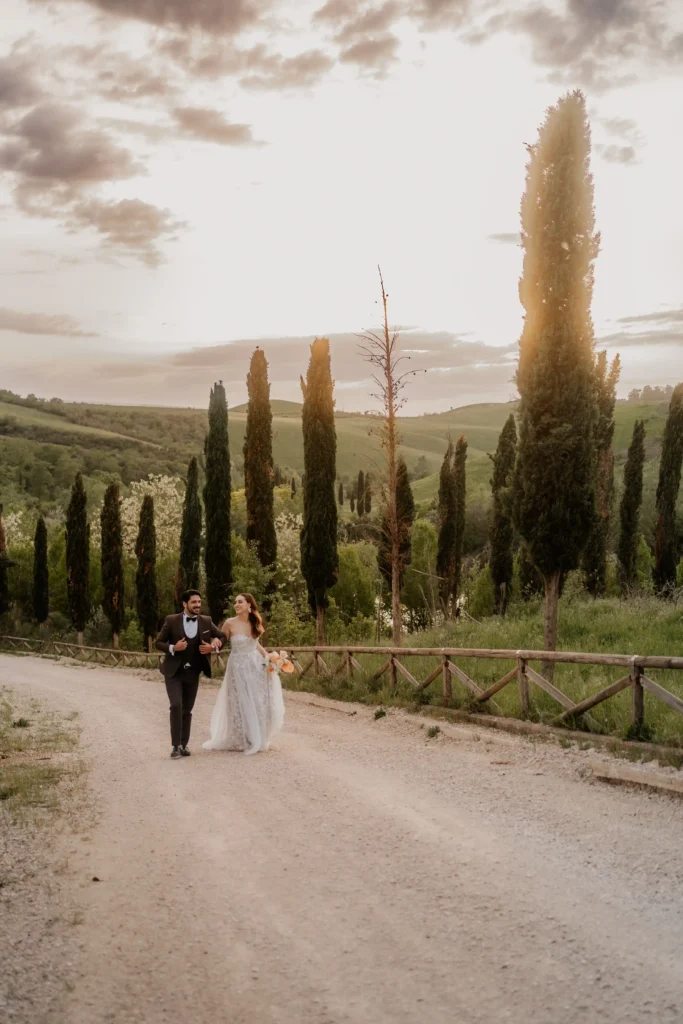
(187, 639)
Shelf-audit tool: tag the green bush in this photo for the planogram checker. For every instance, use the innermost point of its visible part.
(131, 639)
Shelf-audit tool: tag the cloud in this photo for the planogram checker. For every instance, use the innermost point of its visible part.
(624, 339)
(507, 237)
(58, 159)
(222, 16)
(299, 72)
(664, 316)
(59, 325)
(372, 53)
(18, 87)
(629, 136)
(257, 67)
(614, 154)
(211, 126)
(52, 153)
(595, 43)
(666, 328)
(129, 225)
(435, 14)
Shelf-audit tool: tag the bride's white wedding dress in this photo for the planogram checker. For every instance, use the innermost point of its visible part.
(250, 708)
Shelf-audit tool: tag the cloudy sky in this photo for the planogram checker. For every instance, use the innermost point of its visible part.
(181, 180)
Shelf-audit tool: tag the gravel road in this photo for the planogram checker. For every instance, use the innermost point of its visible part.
(357, 872)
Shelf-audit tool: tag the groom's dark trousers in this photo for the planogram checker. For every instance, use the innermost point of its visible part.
(182, 670)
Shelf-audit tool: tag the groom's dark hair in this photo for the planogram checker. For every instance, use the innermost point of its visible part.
(187, 594)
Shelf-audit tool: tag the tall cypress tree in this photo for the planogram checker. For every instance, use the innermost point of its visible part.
(340, 494)
(595, 554)
(293, 488)
(258, 462)
(147, 600)
(41, 578)
(501, 533)
(445, 555)
(555, 470)
(217, 498)
(352, 500)
(360, 490)
(187, 576)
(629, 512)
(319, 556)
(78, 557)
(666, 540)
(405, 508)
(460, 487)
(5, 563)
(112, 560)
(368, 494)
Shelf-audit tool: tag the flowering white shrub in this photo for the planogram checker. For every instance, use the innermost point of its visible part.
(168, 493)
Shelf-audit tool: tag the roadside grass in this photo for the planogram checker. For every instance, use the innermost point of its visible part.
(36, 748)
(642, 626)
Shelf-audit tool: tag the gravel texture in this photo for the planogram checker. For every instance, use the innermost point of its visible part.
(357, 872)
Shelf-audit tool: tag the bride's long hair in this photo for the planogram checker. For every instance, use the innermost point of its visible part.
(255, 619)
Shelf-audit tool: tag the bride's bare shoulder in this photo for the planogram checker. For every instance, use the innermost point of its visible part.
(226, 627)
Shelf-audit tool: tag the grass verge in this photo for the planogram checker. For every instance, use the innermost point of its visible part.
(37, 752)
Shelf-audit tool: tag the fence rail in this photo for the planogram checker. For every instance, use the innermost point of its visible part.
(636, 678)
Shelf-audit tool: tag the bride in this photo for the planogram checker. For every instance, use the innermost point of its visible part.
(250, 708)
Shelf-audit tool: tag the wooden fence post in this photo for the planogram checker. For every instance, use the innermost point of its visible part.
(394, 675)
(316, 664)
(523, 685)
(638, 695)
(446, 677)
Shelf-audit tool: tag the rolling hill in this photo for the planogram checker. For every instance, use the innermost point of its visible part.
(134, 441)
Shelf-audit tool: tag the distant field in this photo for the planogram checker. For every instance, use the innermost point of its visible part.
(37, 418)
(179, 433)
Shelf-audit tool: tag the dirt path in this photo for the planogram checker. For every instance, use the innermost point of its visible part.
(361, 873)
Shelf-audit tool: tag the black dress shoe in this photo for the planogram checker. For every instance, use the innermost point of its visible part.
(176, 752)
(184, 752)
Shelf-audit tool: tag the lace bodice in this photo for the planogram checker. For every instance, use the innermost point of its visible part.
(241, 644)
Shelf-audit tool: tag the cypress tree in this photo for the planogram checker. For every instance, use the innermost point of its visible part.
(187, 576)
(629, 512)
(360, 491)
(460, 487)
(41, 579)
(293, 488)
(5, 563)
(112, 560)
(595, 554)
(319, 556)
(530, 580)
(340, 494)
(147, 601)
(368, 494)
(218, 550)
(352, 500)
(258, 462)
(78, 557)
(501, 534)
(666, 539)
(555, 471)
(405, 509)
(445, 556)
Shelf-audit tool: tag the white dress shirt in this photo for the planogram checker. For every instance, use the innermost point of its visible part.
(190, 628)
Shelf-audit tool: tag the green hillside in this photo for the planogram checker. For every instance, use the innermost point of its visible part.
(43, 443)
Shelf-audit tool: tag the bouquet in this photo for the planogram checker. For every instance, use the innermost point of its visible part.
(277, 661)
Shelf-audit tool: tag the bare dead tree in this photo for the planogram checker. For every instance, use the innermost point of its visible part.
(381, 350)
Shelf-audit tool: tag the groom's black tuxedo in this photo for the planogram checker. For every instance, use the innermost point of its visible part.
(172, 631)
(182, 669)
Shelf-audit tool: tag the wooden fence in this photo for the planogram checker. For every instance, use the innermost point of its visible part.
(634, 676)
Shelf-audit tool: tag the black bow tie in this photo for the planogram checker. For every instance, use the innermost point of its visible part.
(190, 618)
